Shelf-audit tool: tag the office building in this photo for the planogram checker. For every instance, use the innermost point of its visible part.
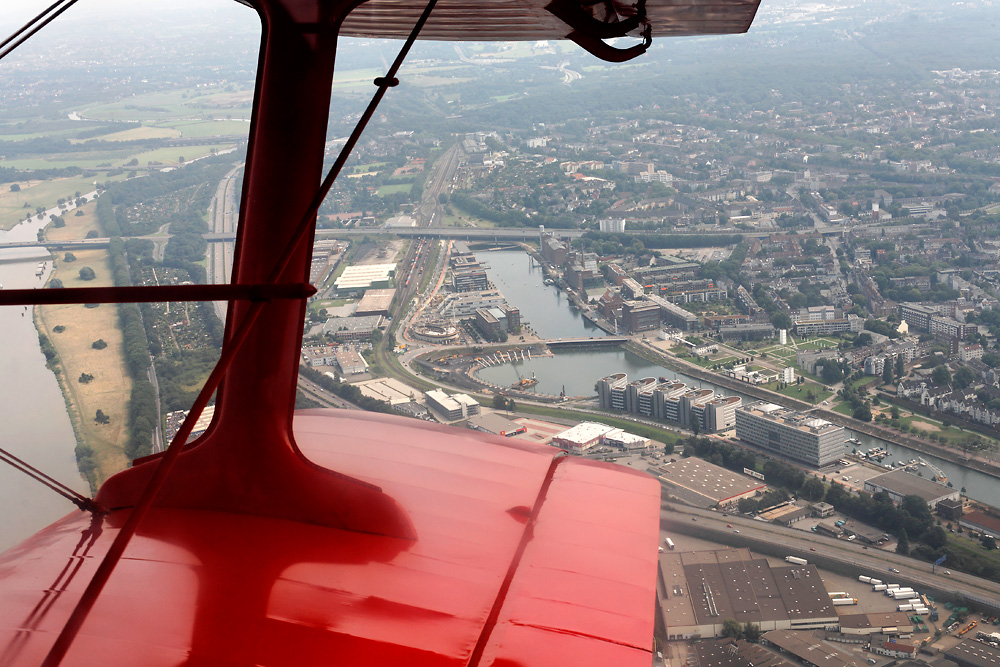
(790, 434)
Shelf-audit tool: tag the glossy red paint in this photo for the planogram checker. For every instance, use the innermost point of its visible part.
(222, 588)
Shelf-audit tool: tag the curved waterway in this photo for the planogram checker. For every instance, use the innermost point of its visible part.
(35, 425)
(578, 371)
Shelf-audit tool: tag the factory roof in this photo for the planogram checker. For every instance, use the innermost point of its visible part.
(356, 277)
(908, 484)
(708, 479)
(375, 301)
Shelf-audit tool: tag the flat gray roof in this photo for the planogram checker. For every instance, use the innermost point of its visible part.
(908, 484)
(970, 652)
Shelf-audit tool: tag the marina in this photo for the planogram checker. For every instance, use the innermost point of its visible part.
(574, 372)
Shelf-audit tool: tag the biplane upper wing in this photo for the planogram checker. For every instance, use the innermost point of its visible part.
(462, 20)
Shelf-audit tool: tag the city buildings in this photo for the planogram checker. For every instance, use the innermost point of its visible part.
(668, 401)
(795, 435)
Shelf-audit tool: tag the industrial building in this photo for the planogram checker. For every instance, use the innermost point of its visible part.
(971, 653)
(375, 302)
(795, 435)
(900, 483)
(804, 646)
(640, 316)
(703, 484)
(698, 590)
(581, 437)
(736, 653)
(458, 406)
(352, 328)
(350, 361)
(356, 279)
(494, 424)
(875, 623)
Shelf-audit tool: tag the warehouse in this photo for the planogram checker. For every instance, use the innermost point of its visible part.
(375, 302)
(900, 483)
(581, 437)
(705, 484)
(703, 588)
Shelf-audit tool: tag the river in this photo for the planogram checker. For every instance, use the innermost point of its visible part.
(578, 371)
(36, 427)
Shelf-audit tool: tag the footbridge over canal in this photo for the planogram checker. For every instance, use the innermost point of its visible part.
(602, 341)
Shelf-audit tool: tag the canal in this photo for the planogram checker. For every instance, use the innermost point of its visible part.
(576, 372)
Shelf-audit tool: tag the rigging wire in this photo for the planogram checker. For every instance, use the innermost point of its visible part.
(43, 18)
(78, 499)
(142, 506)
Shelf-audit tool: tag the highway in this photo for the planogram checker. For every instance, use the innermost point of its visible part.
(828, 553)
(223, 214)
(320, 395)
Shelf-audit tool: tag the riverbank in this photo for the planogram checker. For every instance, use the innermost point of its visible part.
(889, 435)
(92, 375)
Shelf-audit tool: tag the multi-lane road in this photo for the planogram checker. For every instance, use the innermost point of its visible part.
(829, 553)
(223, 213)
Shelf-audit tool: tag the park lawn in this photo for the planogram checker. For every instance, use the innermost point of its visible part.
(818, 344)
(844, 408)
(38, 193)
(111, 387)
(925, 426)
(713, 361)
(393, 188)
(801, 391)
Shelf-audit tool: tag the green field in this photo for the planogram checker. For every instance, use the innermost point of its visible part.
(801, 391)
(394, 188)
(212, 128)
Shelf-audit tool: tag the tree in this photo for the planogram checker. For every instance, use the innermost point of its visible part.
(85, 378)
(87, 273)
(14, 187)
(55, 283)
(900, 367)
(69, 257)
(813, 489)
(988, 542)
(964, 377)
(887, 373)
(92, 234)
(894, 412)
(941, 376)
(101, 418)
(99, 344)
(751, 632)
(903, 545)
(695, 427)
(732, 628)
(863, 413)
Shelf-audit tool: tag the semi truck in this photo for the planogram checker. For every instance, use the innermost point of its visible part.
(865, 579)
(796, 560)
(669, 542)
(843, 602)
